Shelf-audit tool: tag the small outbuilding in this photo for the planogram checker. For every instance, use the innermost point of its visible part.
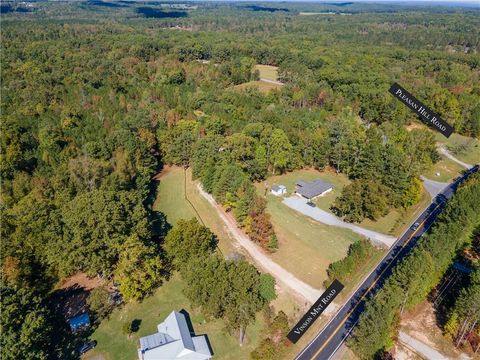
(312, 189)
(278, 190)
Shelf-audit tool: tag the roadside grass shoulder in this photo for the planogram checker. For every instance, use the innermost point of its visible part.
(464, 148)
(447, 169)
(112, 344)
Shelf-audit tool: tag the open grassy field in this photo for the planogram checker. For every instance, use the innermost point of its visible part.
(462, 147)
(171, 201)
(267, 72)
(262, 86)
(447, 169)
(114, 345)
(306, 247)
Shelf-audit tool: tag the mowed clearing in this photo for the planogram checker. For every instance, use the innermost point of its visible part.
(306, 247)
(267, 72)
(172, 202)
(268, 80)
(464, 148)
(262, 86)
(444, 170)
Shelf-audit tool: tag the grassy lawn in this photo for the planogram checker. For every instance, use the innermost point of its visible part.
(262, 86)
(337, 180)
(114, 345)
(267, 72)
(171, 201)
(306, 247)
(462, 147)
(396, 220)
(393, 223)
(447, 169)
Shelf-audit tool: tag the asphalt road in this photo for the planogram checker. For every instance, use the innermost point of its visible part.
(327, 342)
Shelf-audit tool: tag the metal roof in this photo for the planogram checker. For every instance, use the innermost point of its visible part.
(313, 188)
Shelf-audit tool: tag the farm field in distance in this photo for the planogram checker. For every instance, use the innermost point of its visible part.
(267, 72)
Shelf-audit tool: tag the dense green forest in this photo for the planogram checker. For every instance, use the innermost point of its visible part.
(96, 97)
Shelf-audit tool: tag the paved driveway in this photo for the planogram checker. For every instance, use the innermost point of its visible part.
(299, 204)
(433, 187)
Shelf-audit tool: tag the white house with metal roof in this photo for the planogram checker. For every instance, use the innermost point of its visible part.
(174, 341)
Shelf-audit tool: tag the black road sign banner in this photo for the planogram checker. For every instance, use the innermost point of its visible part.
(314, 312)
(428, 116)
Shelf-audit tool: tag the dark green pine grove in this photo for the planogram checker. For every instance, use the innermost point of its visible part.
(95, 100)
(420, 272)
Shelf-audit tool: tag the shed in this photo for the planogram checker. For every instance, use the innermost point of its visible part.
(278, 190)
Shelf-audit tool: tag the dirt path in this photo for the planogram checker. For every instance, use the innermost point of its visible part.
(299, 204)
(272, 81)
(282, 276)
(446, 153)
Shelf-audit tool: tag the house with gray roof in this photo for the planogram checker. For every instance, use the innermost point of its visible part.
(312, 189)
(174, 341)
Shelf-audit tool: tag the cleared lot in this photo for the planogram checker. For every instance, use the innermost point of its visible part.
(299, 204)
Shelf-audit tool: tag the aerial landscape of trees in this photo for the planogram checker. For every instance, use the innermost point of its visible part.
(97, 97)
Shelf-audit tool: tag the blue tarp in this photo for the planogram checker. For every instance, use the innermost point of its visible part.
(79, 321)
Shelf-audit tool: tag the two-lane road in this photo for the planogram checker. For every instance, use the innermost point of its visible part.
(327, 342)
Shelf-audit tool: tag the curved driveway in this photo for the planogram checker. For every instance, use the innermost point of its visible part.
(299, 204)
(281, 275)
(446, 153)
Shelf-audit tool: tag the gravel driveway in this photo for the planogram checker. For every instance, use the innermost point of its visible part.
(299, 204)
(421, 348)
(447, 153)
(282, 276)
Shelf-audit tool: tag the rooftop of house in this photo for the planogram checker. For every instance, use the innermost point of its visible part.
(310, 189)
(174, 341)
